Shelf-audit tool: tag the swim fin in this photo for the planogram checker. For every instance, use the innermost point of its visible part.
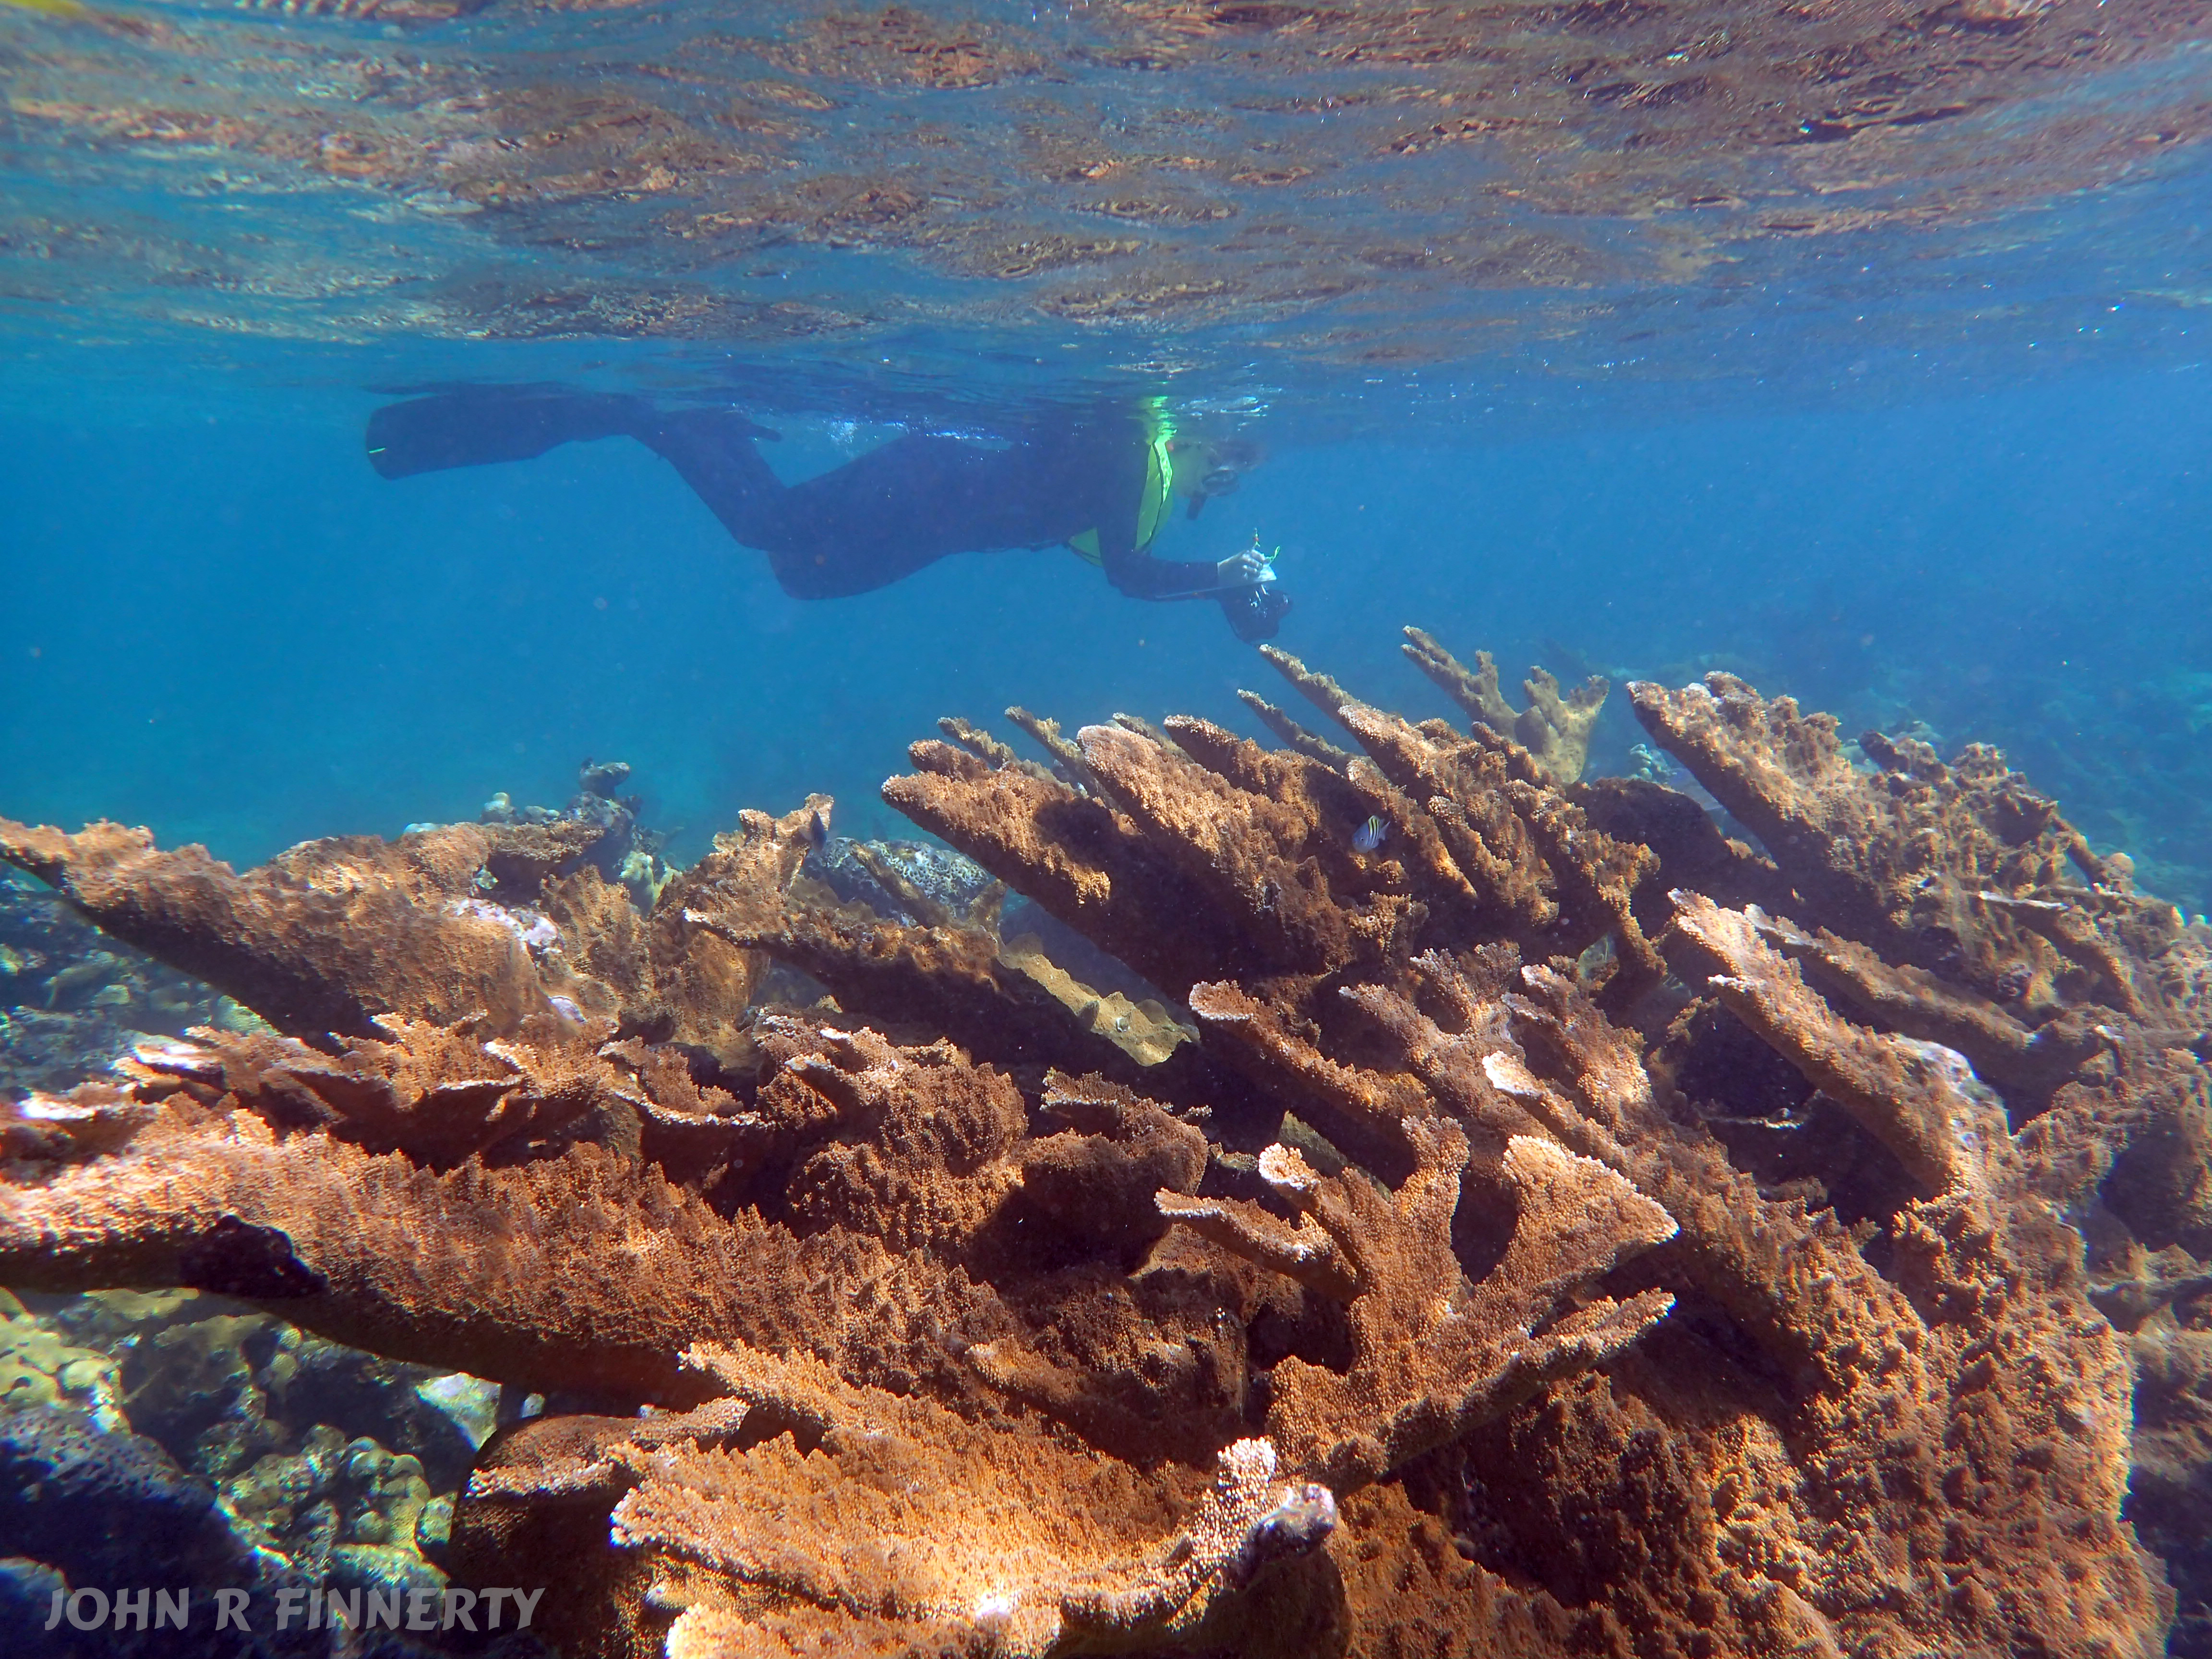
(475, 426)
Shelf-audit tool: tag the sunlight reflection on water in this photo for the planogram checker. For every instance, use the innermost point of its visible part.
(1283, 202)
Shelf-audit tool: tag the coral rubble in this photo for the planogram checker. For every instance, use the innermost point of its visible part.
(1548, 1225)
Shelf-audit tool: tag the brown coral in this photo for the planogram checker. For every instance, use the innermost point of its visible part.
(898, 1512)
(1553, 729)
(1962, 869)
(324, 937)
(1430, 1358)
(1522, 1259)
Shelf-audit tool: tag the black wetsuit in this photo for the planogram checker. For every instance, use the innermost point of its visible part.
(868, 523)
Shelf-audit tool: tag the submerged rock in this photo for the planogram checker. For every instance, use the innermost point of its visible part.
(95, 1507)
(329, 1465)
(74, 1000)
(888, 875)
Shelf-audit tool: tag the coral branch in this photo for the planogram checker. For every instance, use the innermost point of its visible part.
(994, 1541)
(1555, 730)
(1910, 1096)
(1068, 763)
(1308, 1251)
(1477, 694)
(325, 937)
(581, 1269)
(1962, 870)
(1262, 1043)
(1431, 1358)
(1291, 734)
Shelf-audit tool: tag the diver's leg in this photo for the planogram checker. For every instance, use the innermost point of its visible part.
(861, 527)
(712, 451)
(899, 507)
(477, 425)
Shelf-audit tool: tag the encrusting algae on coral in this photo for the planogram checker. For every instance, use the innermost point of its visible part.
(1572, 1231)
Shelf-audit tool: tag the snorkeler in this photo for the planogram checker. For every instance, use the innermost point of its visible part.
(1102, 485)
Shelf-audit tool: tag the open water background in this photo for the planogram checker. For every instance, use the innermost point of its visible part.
(225, 627)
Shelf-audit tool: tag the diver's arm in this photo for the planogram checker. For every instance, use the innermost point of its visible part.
(1243, 585)
(1135, 571)
(1250, 569)
(1143, 577)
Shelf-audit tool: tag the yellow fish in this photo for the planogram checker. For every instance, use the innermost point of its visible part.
(52, 8)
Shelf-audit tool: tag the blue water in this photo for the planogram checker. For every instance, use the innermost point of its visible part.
(223, 625)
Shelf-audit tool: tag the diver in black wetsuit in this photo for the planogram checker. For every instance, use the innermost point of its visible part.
(1103, 486)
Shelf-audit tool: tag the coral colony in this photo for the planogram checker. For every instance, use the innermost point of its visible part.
(1541, 1224)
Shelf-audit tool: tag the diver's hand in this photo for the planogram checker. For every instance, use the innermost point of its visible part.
(1250, 568)
(1256, 610)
